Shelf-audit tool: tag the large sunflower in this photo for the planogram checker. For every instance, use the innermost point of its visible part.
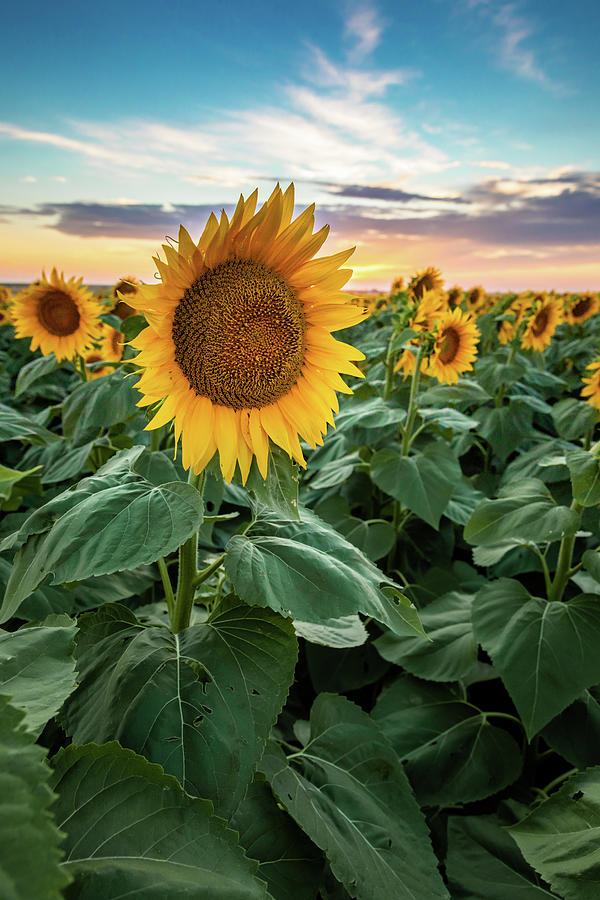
(109, 348)
(59, 316)
(591, 388)
(584, 307)
(455, 347)
(239, 346)
(546, 314)
(429, 279)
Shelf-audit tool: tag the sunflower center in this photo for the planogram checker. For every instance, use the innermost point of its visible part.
(450, 345)
(540, 322)
(90, 360)
(58, 313)
(238, 333)
(581, 307)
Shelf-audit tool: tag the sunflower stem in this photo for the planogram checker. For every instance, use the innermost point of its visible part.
(81, 367)
(167, 586)
(412, 404)
(389, 370)
(564, 564)
(155, 439)
(188, 556)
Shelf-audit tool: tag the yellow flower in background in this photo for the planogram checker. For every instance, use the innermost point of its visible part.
(546, 314)
(429, 279)
(59, 316)
(475, 299)
(455, 348)
(239, 349)
(454, 295)
(5, 303)
(430, 307)
(127, 286)
(591, 389)
(583, 307)
(109, 348)
(508, 327)
(397, 285)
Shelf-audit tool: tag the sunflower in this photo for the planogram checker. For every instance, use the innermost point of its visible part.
(454, 295)
(397, 285)
(239, 347)
(584, 307)
(591, 390)
(508, 327)
(545, 315)
(429, 279)
(475, 299)
(455, 347)
(59, 316)
(127, 286)
(109, 348)
(430, 307)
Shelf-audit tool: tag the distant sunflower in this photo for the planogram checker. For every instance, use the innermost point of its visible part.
(59, 316)
(239, 348)
(109, 348)
(592, 384)
(5, 302)
(397, 285)
(584, 307)
(455, 348)
(430, 307)
(128, 286)
(454, 295)
(475, 299)
(508, 327)
(429, 279)
(546, 314)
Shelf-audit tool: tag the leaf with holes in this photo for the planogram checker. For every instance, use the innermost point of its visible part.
(201, 703)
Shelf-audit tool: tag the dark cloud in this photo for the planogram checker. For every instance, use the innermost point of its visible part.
(497, 211)
(392, 195)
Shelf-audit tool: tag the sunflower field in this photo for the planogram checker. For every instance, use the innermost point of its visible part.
(291, 615)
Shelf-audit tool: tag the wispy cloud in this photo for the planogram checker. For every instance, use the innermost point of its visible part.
(363, 27)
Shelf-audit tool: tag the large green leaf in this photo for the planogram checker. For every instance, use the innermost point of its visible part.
(484, 862)
(451, 751)
(201, 703)
(133, 832)
(561, 837)
(14, 426)
(279, 491)
(98, 404)
(573, 418)
(525, 511)
(505, 427)
(347, 791)
(306, 570)
(545, 653)
(34, 370)
(424, 483)
(29, 840)
(14, 485)
(342, 670)
(289, 863)
(37, 669)
(575, 733)
(584, 469)
(62, 462)
(449, 650)
(106, 526)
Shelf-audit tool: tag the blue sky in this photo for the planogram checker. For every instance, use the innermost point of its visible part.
(464, 133)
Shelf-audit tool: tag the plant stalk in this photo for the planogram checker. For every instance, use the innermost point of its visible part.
(564, 564)
(412, 404)
(188, 555)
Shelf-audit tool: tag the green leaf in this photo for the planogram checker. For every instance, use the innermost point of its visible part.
(575, 733)
(545, 653)
(525, 511)
(463, 501)
(34, 370)
(560, 837)
(132, 831)
(347, 791)
(374, 537)
(584, 469)
(450, 649)
(306, 570)
(363, 420)
(505, 427)
(201, 703)
(573, 418)
(62, 462)
(446, 417)
(97, 404)
(289, 863)
(279, 491)
(342, 670)
(15, 485)
(591, 563)
(114, 529)
(29, 840)
(467, 391)
(483, 862)
(424, 483)
(451, 752)
(348, 631)
(37, 669)
(15, 426)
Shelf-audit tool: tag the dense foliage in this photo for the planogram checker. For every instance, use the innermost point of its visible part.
(390, 686)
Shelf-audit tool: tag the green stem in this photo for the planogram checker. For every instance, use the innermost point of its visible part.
(207, 572)
(155, 439)
(167, 586)
(564, 564)
(389, 370)
(412, 404)
(546, 571)
(502, 389)
(81, 367)
(188, 554)
(501, 715)
(558, 779)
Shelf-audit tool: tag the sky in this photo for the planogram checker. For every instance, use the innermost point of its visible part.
(458, 133)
